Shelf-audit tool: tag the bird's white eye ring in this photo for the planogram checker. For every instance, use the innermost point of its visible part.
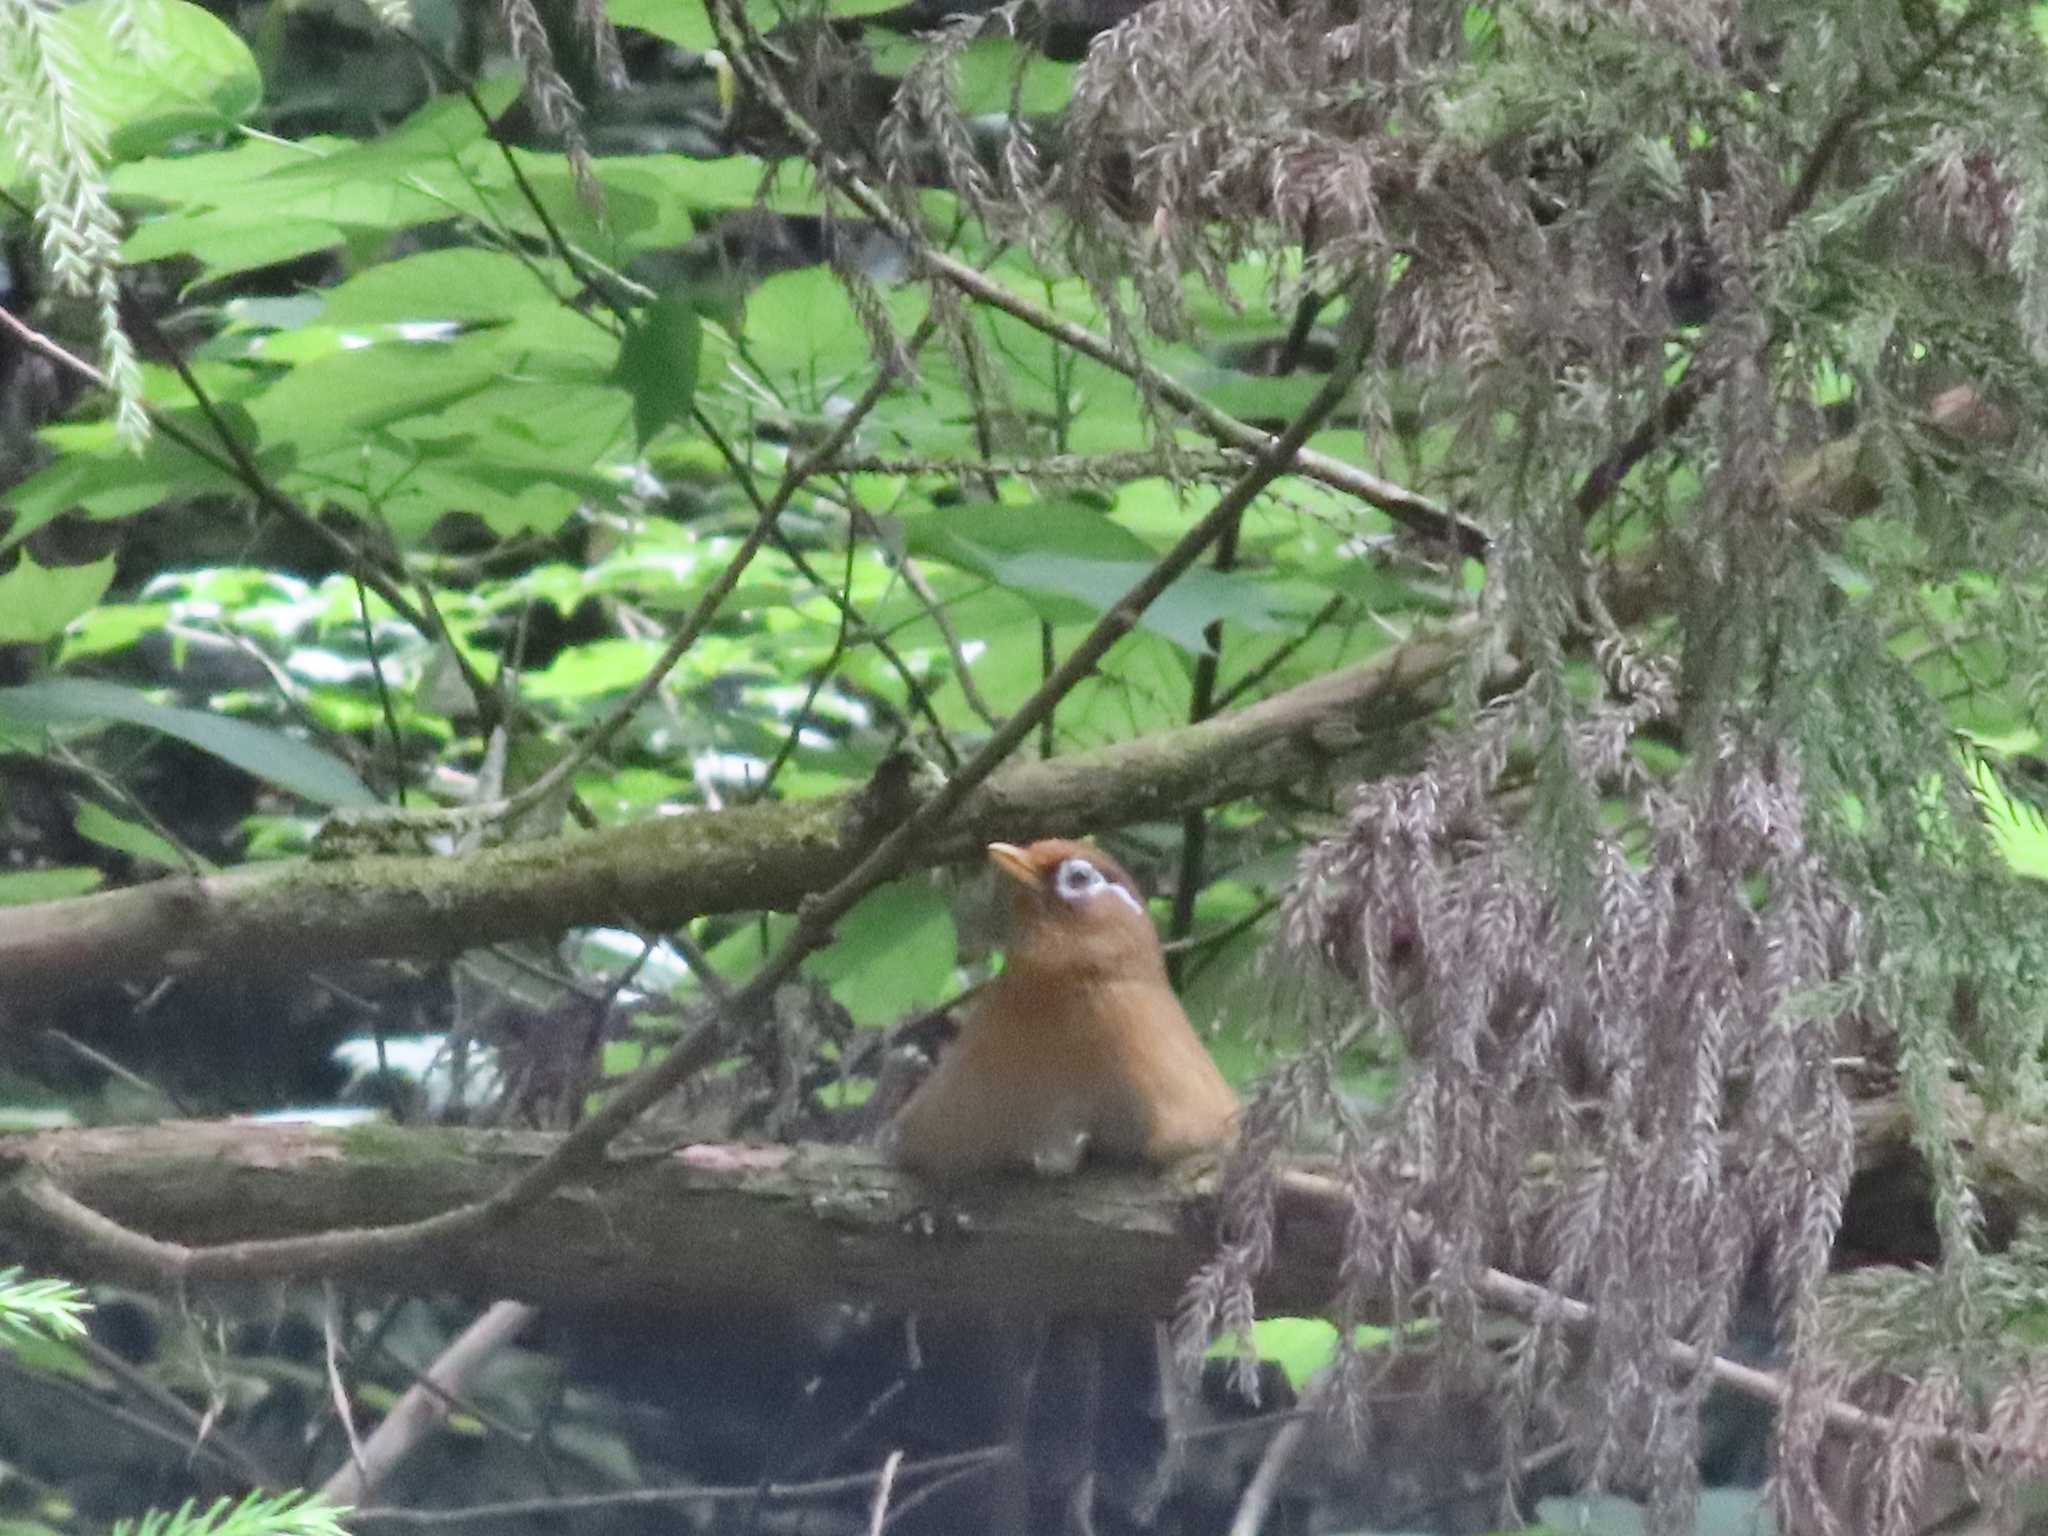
(1077, 879)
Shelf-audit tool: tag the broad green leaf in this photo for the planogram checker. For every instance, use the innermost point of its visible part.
(269, 755)
(684, 21)
(1300, 1346)
(732, 181)
(111, 627)
(801, 329)
(658, 364)
(429, 140)
(587, 671)
(892, 954)
(36, 602)
(366, 389)
(1252, 397)
(212, 178)
(1070, 562)
(181, 72)
(94, 474)
(2017, 826)
(20, 888)
(208, 207)
(460, 284)
(318, 192)
(991, 74)
(226, 242)
(97, 824)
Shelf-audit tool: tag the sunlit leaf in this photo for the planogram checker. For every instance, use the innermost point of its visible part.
(269, 755)
(24, 887)
(36, 601)
(97, 824)
(1071, 563)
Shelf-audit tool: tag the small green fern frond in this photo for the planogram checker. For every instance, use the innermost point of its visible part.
(293, 1513)
(2018, 827)
(39, 1309)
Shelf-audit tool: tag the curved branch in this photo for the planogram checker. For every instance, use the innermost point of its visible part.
(707, 1223)
(659, 874)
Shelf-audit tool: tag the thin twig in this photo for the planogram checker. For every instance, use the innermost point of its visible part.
(879, 1509)
(242, 466)
(660, 1498)
(107, 1063)
(1409, 508)
(1280, 653)
(802, 715)
(1194, 826)
(1699, 381)
(714, 596)
(1256, 1502)
(1531, 1302)
(197, 1430)
(914, 689)
(426, 1402)
(584, 1148)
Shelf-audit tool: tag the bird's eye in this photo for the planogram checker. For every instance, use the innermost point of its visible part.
(1077, 878)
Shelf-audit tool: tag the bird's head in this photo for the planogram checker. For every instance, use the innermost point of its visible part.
(1075, 907)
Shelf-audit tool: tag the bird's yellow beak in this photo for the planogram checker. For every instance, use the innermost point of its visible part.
(1010, 859)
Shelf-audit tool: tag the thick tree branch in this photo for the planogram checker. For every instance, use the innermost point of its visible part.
(178, 1203)
(289, 916)
(909, 829)
(165, 1203)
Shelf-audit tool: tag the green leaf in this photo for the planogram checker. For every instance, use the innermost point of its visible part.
(36, 601)
(22, 888)
(269, 755)
(180, 72)
(1070, 562)
(658, 364)
(1300, 1346)
(97, 824)
(291, 1513)
(2017, 826)
(460, 284)
(366, 389)
(684, 21)
(587, 671)
(990, 74)
(429, 140)
(893, 953)
(92, 472)
(676, 182)
(800, 327)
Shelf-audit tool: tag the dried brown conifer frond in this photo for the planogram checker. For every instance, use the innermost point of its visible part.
(1946, 1370)
(1615, 1082)
(924, 136)
(553, 98)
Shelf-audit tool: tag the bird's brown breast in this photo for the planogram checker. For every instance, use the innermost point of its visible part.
(1079, 1049)
(1052, 1068)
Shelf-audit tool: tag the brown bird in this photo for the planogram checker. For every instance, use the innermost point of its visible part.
(1079, 1049)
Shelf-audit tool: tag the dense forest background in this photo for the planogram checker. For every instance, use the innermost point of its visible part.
(538, 540)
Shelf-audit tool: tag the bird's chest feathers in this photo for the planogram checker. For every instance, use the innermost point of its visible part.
(1076, 1001)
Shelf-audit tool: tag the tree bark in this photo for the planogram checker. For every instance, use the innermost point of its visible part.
(709, 1222)
(658, 874)
(663, 1230)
